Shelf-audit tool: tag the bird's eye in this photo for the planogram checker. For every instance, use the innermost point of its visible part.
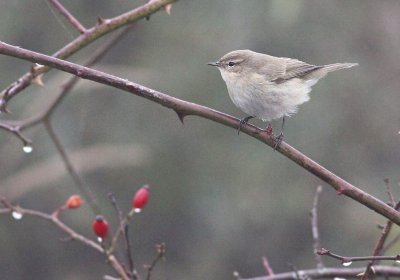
(231, 63)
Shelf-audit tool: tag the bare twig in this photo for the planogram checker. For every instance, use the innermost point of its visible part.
(314, 228)
(160, 254)
(72, 234)
(100, 29)
(349, 260)
(267, 266)
(185, 108)
(47, 113)
(379, 245)
(71, 170)
(70, 18)
(125, 234)
(391, 243)
(330, 273)
(389, 192)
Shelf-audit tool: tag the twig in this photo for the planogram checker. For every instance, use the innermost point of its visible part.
(379, 245)
(267, 266)
(391, 243)
(47, 113)
(349, 260)
(330, 273)
(185, 108)
(72, 234)
(314, 228)
(125, 234)
(71, 170)
(55, 220)
(389, 192)
(91, 34)
(70, 18)
(160, 254)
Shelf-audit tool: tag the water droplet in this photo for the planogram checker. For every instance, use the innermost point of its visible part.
(27, 149)
(99, 239)
(348, 263)
(138, 210)
(16, 215)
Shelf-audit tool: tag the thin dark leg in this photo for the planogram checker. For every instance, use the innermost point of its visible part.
(279, 138)
(243, 122)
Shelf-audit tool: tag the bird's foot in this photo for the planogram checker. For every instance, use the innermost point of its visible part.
(278, 139)
(243, 122)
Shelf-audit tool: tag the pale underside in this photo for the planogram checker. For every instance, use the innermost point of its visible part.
(267, 100)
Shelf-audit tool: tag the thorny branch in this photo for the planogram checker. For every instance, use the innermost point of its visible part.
(102, 28)
(72, 234)
(184, 108)
(331, 273)
(379, 245)
(348, 260)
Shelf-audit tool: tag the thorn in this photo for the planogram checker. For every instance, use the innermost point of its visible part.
(340, 191)
(3, 106)
(322, 251)
(268, 129)
(167, 8)
(180, 116)
(38, 80)
(100, 21)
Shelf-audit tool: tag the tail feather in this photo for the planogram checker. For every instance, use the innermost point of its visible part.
(338, 66)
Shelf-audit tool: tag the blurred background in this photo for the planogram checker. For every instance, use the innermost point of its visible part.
(218, 200)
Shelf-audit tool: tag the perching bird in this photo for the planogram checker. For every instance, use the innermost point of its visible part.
(268, 87)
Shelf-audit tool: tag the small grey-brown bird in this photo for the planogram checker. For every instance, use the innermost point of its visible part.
(268, 87)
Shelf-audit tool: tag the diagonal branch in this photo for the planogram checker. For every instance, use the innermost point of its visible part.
(184, 108)
(102, 28)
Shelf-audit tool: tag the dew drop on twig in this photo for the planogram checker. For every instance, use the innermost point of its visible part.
(16, 215)
(27, 149)
(347, 263)
(138, 210)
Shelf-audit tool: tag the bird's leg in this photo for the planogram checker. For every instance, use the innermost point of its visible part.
(243, 122)
(279, 138)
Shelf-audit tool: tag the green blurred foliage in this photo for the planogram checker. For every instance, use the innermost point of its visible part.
(219, 201)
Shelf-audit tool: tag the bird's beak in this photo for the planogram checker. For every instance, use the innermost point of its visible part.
(214, 63)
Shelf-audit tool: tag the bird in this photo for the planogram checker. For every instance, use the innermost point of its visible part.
(268, 87)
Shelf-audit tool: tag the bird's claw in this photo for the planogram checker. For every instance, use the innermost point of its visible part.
(243, 122)
(278, 139)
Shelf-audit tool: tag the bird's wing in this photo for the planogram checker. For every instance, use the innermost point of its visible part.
(295, 69)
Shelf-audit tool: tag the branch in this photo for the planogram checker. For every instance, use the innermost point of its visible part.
(348, 260)
(314, 228)
(70, 18)
(329, 273)
(72, 234)
(102, 28)
(379, 245)
(184, 108)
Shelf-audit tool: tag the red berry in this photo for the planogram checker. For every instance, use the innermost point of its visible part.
(141, 197)
(74, 201)
(100, 226)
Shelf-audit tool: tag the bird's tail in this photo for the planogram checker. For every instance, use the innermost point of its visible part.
(338, 66)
